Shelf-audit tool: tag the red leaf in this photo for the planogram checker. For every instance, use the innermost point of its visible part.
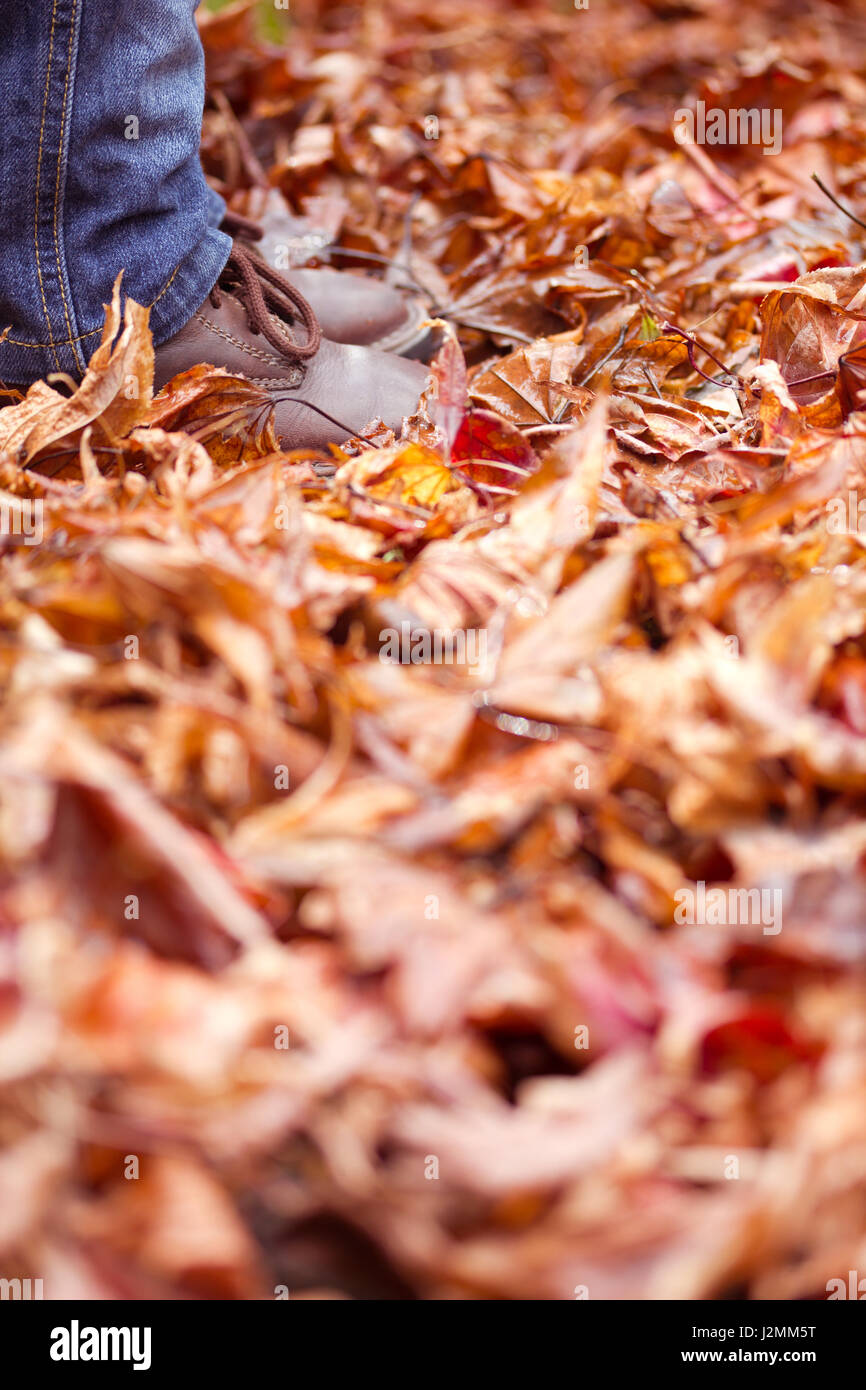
(493, 452)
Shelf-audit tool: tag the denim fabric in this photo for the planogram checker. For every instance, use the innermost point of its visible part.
(101, 105)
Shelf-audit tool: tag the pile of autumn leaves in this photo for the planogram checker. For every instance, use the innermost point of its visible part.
(344, 977)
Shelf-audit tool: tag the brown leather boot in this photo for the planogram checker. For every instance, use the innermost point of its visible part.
(256, 324)
(350, 308)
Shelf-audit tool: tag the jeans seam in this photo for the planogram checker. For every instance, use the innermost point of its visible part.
(48, 322)
(55, 342)
(166, 286)
(58, 199)
(50, 300)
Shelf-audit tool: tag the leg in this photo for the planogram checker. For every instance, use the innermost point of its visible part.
(99, 171)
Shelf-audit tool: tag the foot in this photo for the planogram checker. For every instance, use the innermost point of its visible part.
(256, 324)
(350, 308)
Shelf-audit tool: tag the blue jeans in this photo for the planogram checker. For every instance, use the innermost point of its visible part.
(101, 104)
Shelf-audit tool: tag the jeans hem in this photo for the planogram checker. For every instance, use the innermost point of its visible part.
(185, 290)
(189, 285)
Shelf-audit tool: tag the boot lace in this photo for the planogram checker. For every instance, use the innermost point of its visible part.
(270, 301)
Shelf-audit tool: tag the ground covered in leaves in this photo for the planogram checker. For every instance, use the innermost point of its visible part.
(351, 978)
